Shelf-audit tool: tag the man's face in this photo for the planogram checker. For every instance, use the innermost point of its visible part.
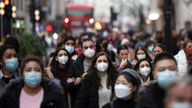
(181, 93)
(88, 44)
(163, 65)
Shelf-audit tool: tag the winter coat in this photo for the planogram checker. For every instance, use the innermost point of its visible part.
(53, 97)
(119, 103)
(182, 63)
(151, 97)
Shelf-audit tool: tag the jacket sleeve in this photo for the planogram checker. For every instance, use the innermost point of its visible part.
(83, 97)
(60, 102)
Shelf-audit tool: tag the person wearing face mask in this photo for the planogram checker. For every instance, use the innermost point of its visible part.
(140, 53)
(97, 85)
(80, 67)
(32, 91)
(164, 72)
(126, 89)
(144, 68)
(179, 94)
(69, 44)
(184, 59)
(59, 68)
(9, 66)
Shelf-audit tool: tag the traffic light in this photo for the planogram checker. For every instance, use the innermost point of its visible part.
(7, 2)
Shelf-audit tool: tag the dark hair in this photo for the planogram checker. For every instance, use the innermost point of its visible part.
(186, 42)
(163, 56)
(81, 36)
(65, 40)
(148, 43)
(86, 40)
(12, 41)
(132, 76)
(30, 58)
(111, 72)
(55, 63)
(150, 64)
(160, 46)
(124, 47)
(145, 51)
(3, 48)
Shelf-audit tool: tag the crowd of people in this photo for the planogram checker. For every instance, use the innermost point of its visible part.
(113, 70)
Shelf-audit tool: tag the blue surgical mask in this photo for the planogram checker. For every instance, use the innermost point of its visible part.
(164, 78)
(181, 105)
(70, 49)
(32, 78)
(12, 64)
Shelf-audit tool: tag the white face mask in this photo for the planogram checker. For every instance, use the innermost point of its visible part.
(102, 67)
(145, 71)
(181, 105)
(89, 53)
(63, 59)
(150, 48)
(122, 91)
(164, 78)
(141, 56)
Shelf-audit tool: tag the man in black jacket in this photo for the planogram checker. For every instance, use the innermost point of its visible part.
(165, 70)
(78, 69)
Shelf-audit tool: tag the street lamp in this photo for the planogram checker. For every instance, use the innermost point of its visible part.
(153, 16)
(2, 12)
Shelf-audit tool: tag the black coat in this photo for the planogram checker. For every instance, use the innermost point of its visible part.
(53, 97)
(151, 97)
(76, 70)
(119, 103)
(88, 95)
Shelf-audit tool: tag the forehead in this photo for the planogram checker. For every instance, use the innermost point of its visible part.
(88, 43)
(62, 51)
(144, 62)
(165, 63)
(157, 48)
(70, 41)
(124, 51)
(181, 90)
(32, 64)
(102, 57)
(9, 51)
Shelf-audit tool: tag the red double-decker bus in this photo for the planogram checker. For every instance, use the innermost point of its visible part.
(78, 17)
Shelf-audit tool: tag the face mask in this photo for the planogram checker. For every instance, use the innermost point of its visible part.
(122, 91)
(63, 59)
(164, 78)
(141, 56)
(11, 64)
(181, 105)
(150, 48)
(70, 49)
(33, 78)
(102, 67)
(145, 71)
(89, 53)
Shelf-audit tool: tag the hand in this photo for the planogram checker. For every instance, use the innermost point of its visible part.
(70, 80)
(77, 81)
(123, 63)
(49, 72)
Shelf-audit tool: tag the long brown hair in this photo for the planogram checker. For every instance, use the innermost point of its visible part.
(111, 71)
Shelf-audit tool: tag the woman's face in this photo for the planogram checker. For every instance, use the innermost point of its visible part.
(144, 64)
(61, 53)
(140, 52)
(157, 50)
(102, 58)
(32, 66)
(122, 80)
(123, 54)
(9, 53)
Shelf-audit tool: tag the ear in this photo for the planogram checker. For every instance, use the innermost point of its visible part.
(56, 58)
